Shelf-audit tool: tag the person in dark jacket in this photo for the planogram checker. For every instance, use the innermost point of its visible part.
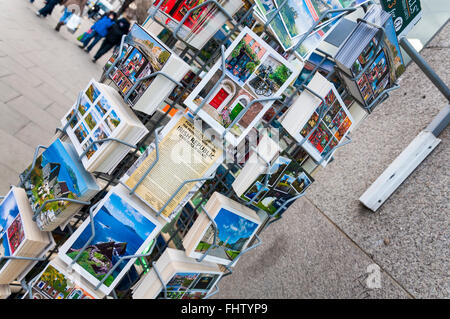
(113, 38)
(48, 8)
(99, 30)
(93, 11)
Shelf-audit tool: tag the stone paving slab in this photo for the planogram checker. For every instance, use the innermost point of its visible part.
(7, 93)
(305, 256)
(33, 94)
(11, 121)
(33, 135)
(34, 113)
(7, 174)
(16, 155)
(13, 67)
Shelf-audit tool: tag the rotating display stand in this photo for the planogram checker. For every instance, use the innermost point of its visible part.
(173, 232)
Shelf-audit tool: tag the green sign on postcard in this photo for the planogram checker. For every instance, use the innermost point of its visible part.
(405, 13)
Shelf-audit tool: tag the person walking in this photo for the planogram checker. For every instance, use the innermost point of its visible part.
(70, 7)
(113, 38)
(98, 31)
(48, 8)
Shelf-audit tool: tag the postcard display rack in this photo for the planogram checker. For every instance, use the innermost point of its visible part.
(172, 234)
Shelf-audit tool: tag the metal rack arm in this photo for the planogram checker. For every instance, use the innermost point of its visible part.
(132, 191)
(25, 286)
(188, 13)
(180, 187)
(215, 292)
(108, 139)
(246, 250)
(381, 98)
(158, 274)
(140, 80)
(35, 156)
(216, 85)
(327, 156)
(266, 180)
(274, 14)
(41, 207)
(277, 215)
(120, 261)
(22, 258)
(216, 231)
(118, 59)
(91, 216)
(214, 245)
(63, 130)
(242, 113)
(28, 287)
(152, 15)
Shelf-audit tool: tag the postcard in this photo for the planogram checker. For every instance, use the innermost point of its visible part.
(234, 233)
(57, 174)
(253, 71)
(393, 51)
(94, 121)
(196, 157)
(281, 31)
(12, 233)
(19, 236)
(55, 283)
(286, 180)
(296, 18)
(178, 9)
(335, 124)
(142, 55)
(201, 24)
(190, 285)
(317, 62)
(265, 6)
(123, 227)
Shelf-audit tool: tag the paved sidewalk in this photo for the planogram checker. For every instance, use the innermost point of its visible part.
(41, 73)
